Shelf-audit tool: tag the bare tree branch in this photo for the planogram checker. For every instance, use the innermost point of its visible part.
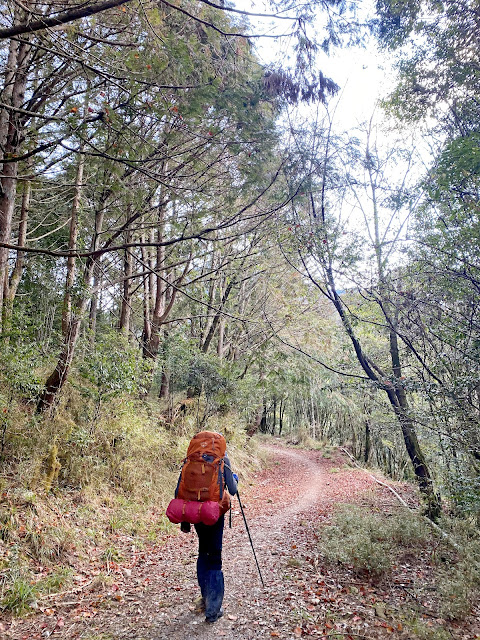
(61, 18)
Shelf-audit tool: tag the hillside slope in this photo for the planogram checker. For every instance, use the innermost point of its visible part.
(289, 507)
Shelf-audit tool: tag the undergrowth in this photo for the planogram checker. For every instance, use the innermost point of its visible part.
(89, 483)
(374, 543)
(459, 573)
(367, 541)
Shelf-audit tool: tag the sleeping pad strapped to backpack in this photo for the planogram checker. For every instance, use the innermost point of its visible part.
(201, 494)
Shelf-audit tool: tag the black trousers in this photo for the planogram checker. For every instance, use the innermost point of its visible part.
(209, 565)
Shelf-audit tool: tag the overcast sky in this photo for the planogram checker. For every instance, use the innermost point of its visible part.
(364, 74)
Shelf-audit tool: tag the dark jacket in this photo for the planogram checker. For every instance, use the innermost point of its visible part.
(229, 479)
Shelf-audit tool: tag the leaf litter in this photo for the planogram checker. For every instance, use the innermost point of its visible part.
(150, 593)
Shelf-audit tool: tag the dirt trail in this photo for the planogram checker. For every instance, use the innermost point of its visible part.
(154, 601)
(271, 521)
(285, 507)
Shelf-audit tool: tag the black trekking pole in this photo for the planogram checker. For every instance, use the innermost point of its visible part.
(250, 538)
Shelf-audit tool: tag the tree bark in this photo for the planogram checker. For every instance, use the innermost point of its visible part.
(147, 293)
(217, 317)
(96, 268)
(126, 306)
(280, 417)
(395, 393)
(221, 338)
(11, 136)
(165, 382)
(58, 377)
(72, 245)
(11, 287)
(212, 290)
(71, 15)
(160, 308)
(274, 420)
(93, 313)
(255, 425)
(366, 456)
(399, 402)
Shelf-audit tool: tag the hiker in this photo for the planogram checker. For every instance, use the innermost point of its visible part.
(207, 463)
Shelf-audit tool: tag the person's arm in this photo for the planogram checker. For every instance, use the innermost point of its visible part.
(228, 474)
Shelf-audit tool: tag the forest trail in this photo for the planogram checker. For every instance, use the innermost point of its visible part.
(286, 505)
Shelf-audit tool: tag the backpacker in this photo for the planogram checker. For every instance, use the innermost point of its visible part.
(201, 482)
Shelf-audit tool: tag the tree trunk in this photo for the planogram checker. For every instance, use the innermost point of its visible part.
(221, 338)
(164, 385)
(11, 136)
(212, 290)
(407, 425)
(397, 398)
(165, 376)
(58, 377)
(159, 308)
(255, 425)
(72, 246)
(312, 418)
(217, 317)
(398, 401)
(147, 292)
(280, 418)
(126, 306)
(11, 287)
(92, 316)
(367, 406)
(96, 269)
(366, 455)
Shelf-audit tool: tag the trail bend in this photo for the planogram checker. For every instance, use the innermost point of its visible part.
(152, 596)
(284, 507)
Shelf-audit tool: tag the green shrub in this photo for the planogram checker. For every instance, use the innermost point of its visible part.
(422, 631)
(464, 494)
(112, 367)
(459, 575)
(369, 541)
(18, 368)
(408, 529)
(457, 591)
(20, 596)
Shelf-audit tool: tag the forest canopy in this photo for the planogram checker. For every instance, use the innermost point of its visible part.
(187, 231)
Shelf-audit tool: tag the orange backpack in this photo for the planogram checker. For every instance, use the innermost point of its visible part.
(202, 472)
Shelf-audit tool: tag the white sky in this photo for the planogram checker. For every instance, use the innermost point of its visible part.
(364, 75)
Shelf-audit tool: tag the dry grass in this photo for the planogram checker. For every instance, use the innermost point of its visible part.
(374, 543)
(115, 478)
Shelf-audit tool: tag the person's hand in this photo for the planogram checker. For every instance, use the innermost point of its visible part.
(235, 477)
